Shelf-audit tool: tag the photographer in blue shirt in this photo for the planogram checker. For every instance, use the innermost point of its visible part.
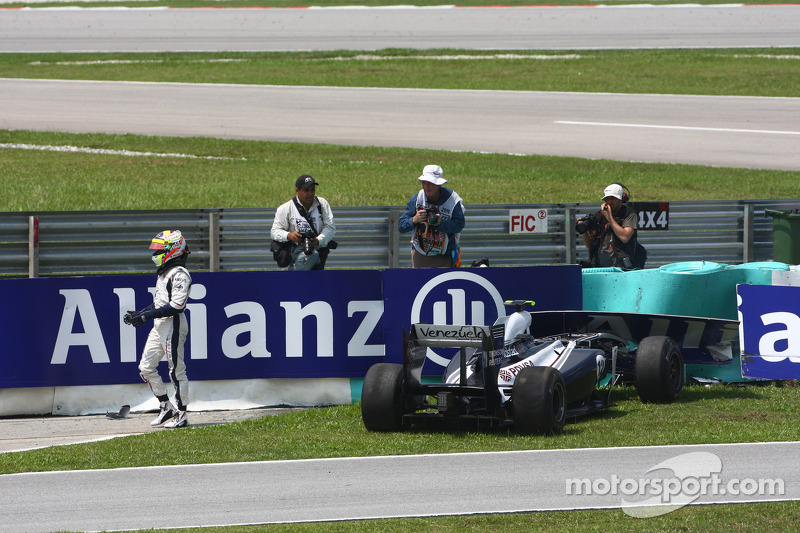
(435, 216)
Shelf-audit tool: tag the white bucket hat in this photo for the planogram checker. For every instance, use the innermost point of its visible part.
(433, 174)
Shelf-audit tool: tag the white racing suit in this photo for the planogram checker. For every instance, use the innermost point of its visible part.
(167, 337)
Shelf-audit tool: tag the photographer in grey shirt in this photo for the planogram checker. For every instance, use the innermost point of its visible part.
(611, 233)
(306, 221)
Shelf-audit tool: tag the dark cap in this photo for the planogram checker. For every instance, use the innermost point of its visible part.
(305, 181)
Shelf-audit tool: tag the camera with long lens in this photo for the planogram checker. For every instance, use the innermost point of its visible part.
(308, 248)
(587, 223)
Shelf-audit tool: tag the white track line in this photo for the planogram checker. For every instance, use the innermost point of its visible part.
(665, 127)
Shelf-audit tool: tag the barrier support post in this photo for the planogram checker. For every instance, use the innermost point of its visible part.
(33, 247)
(748, 234)
(213, 241)
(570, 241)
(394, 238)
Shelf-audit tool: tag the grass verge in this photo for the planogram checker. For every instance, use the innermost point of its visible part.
(733, 72)
(763, 517)
(258, 174)
(720, 414)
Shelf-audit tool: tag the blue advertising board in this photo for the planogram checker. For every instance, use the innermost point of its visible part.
(335, 323)
(770, 331)
(469, 296)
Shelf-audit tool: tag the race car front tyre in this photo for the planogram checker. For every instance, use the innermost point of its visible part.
(382, 402)
(540, 401)
(658, 370)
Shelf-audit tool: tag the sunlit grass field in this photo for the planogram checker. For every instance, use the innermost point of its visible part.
(731, 72)
(262, 174)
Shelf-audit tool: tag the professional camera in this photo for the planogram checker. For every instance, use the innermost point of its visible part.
(434, 218)
(587, 223)
(308, 248)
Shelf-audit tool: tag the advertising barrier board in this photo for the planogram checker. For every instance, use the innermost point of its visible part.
(469, 296)
(769, 331)
(243, 325)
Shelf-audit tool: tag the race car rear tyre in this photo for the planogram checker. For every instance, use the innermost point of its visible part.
(658, 370)
(540, 401)
(382, 402)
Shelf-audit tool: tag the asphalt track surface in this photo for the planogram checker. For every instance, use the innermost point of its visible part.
(336, 489)
(717, 131)
(702, 130)
(508, 28)
(399, 486)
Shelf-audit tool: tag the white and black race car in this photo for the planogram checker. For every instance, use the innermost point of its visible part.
(535, 370)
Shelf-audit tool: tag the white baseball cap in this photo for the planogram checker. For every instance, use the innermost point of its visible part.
(433, 174)
(615, 190)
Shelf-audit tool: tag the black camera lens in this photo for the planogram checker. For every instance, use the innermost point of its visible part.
(586, 223)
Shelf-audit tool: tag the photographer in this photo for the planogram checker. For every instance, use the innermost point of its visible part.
(306, 221)
(435, 215)
(610, 235)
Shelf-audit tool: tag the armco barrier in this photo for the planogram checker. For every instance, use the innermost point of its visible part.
(100, 242)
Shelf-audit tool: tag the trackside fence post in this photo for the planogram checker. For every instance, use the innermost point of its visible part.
(213, 241)
(748, 234)
(570, 241)
(394, 238)
(33, 247)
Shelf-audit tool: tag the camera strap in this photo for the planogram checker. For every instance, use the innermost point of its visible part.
(304, 214)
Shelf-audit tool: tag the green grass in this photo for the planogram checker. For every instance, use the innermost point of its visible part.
(259, 174)
(765, 518)
(720, 414)
(743, 72)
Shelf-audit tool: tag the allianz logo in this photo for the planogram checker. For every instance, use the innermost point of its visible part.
(456, 298)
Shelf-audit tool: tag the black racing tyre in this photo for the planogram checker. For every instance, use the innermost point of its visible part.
(382, 402)
(540, 401)
(659, 370)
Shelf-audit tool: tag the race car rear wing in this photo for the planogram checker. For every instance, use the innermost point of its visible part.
(488, 339)
(450, 336)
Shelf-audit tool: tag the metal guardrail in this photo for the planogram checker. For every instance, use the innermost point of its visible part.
(102, 242)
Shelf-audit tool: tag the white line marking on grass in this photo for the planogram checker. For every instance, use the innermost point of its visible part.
(131, 62)
(664, 127)
(763, 56)
(105, 151)
(359, 57)
(373, 57)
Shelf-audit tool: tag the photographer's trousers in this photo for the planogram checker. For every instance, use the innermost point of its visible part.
(303, 261)
(166, 340)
